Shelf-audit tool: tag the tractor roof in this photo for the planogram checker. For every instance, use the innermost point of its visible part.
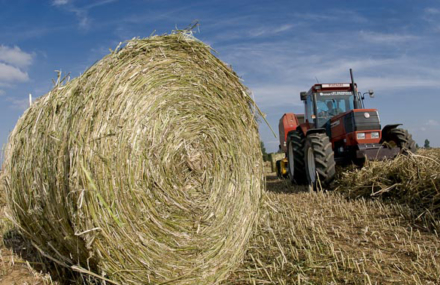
(331, 87)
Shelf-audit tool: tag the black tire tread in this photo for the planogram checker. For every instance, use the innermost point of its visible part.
(324, 157)
(298, 140)
(403, 139)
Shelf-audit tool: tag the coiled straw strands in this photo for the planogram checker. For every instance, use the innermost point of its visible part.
(145, 169)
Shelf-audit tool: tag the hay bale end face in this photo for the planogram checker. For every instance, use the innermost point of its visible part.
(145, 169)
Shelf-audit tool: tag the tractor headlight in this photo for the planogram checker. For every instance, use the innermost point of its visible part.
(375, 135)
(360, 136)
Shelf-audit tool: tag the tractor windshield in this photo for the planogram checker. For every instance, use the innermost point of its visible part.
(330, 104)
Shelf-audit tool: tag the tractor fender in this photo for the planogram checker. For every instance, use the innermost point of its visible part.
(289, 134)
(387, 128)
(303, 128)
(316, 131)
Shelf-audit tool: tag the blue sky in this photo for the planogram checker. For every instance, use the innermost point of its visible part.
(277, 47)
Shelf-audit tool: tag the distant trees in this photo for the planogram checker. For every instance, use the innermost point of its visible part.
(263, 150)
(279, 149)
(427, 144)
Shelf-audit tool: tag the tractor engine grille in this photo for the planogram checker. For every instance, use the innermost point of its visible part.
(360, 121)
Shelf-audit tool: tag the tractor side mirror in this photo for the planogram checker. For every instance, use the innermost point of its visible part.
(371, 92)
(303, 96)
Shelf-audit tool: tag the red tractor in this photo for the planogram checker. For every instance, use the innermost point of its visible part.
(335, 129)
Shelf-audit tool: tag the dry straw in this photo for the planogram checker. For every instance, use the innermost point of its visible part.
(145, 169)
(412, 180)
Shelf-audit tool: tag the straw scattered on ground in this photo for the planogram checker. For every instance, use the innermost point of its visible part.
(323, 238)
(412, 180)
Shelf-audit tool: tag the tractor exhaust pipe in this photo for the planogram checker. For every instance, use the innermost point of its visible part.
(356, 106)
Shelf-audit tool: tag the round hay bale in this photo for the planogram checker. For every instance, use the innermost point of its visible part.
(145, 169)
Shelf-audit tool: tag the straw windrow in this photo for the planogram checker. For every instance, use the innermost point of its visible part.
(145, 169)
(412, 180)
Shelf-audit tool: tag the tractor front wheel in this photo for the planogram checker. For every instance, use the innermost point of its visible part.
(319, 160)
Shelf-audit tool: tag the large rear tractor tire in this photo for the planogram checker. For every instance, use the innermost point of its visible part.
(402, 139)
(298, 142)
(295, 157)
(319, 160)
(291, 161)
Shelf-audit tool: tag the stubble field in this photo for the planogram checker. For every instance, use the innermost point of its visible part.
(302, 238)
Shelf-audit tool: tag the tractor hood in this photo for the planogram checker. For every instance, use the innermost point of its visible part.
(361, 120)
(345, 125)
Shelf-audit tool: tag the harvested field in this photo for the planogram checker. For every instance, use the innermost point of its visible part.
(323, 238)
(412, 180)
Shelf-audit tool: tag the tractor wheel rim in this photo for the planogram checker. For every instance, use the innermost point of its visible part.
(291, 162)
(311, 165)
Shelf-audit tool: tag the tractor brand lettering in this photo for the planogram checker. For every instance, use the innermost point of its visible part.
(335, 93)
(335, 85)
(335, 123)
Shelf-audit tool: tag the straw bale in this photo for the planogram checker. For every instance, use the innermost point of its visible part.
(145, 169)
(274, 157)
(412, 180)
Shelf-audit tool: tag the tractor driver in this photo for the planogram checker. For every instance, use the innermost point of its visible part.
(332, 111)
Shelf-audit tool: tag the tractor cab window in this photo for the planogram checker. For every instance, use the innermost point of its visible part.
(331, 104)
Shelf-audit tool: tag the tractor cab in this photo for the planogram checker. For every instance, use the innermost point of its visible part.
(325, 101)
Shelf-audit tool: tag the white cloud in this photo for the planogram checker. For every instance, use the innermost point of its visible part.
(382, 38)
(349, 16)
(82, 16)
(18, 104)
(432, 11)
(432, 123)
(81, 13)
(10, 74)
(431, 16)
(13, 65)
(294, 65)
(269, 31)
(60, 2)
(99, 3)
(396, 82)
(276, 95)
(283, 28)
(15, 56)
